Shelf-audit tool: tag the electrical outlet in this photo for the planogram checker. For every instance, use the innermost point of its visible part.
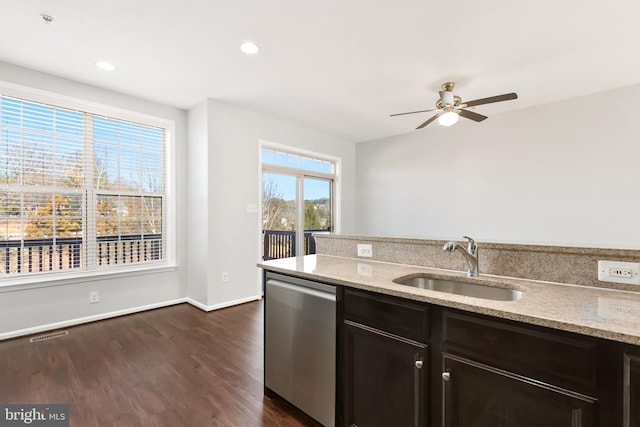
(94, 297)
(619, 272)
(225, 277)
(365, 251)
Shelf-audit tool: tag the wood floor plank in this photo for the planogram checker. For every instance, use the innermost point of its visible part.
(175, 366)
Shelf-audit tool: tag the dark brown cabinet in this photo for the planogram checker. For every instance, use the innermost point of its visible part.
(480, 395)
(631, 399)
(508, 374)
(384, 379)
(406, 363)
(385, 362)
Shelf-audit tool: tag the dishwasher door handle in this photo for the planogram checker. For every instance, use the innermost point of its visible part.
(302, 289)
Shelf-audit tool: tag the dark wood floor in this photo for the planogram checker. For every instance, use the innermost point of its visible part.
(174, 366)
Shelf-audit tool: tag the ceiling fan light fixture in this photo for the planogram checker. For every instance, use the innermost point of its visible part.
(450, 107)
(449, 117)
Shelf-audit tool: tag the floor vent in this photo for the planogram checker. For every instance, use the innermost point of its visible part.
(50, 336)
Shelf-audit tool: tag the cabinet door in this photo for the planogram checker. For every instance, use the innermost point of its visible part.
(479, 395)
(631, 390)
(384, 379)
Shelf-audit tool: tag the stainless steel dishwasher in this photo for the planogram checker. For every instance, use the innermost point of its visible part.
(300, 344)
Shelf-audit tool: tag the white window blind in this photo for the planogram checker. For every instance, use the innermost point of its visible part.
(78, 191)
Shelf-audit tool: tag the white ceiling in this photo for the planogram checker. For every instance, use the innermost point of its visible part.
(340, 66)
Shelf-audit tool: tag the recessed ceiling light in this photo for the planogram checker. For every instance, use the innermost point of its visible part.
(249, 48)
(104, 65)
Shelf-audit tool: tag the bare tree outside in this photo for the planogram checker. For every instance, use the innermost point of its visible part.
(152, 206)
(274, 207)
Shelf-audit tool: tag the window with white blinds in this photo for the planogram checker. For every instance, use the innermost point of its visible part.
(78, 191)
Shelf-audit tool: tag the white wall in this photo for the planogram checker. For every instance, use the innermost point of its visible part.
(233, 244)
(216, 177)
(25, 310)
(564, 173)
(197, 196)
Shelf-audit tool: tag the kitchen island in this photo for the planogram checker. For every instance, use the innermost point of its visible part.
(561, 355)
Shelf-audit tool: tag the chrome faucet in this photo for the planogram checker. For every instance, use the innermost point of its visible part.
(470, 254)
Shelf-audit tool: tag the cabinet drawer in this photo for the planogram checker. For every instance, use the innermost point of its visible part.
(564, 359)
(479, 395)
(394, 315)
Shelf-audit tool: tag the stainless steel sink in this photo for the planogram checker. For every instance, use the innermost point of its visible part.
(476, 290)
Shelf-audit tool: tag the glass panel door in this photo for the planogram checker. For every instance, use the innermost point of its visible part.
(317, 210)
(279, 215)
(293, 208)
(297, 200)
(317, 204)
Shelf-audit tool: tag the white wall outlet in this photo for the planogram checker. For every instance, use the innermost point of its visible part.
(252, 208)
(619, 272)
(365, 250)
(94, 297)
(225, 277)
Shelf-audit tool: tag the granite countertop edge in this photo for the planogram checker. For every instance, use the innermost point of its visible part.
(566, 307)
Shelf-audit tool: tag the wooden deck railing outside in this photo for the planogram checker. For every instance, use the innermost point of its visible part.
(282, 243)
(38, 255)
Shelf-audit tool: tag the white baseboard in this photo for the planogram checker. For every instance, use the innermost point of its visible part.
(81, 320)
(226, 304)
(103, 316)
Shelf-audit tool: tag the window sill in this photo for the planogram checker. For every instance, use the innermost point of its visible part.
(59, 279)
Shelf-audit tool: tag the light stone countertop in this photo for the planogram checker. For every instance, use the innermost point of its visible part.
(605, 313)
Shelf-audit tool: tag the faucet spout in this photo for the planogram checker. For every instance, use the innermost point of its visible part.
(470, 254)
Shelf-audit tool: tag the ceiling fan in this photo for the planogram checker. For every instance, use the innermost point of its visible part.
(450, 107)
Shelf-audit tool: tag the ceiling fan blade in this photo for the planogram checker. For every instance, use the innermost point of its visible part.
(489, 100)
(412, 112)
(428, 121)
(471, 115)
